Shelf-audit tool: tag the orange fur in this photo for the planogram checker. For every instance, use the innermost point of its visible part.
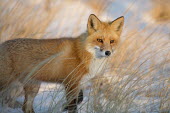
(75, 56)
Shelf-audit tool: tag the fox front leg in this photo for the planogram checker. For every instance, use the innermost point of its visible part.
(73, 97)
(78, 100)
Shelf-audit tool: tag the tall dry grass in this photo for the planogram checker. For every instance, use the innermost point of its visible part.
(137, 79)
(19, 19)
(160, 11)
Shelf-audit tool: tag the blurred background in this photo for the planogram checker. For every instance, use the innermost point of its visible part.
(58, 18)
(138, 79)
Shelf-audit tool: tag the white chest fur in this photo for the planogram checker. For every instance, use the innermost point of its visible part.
(97, 66)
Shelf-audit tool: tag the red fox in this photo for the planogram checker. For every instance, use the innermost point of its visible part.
(64, 60)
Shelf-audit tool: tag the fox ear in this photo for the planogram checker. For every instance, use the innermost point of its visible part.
(117, 24)
(93, 24)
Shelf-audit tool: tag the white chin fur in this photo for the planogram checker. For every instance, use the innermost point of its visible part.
(99, 53)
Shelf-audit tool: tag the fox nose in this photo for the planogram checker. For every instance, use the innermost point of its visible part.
(107, 53)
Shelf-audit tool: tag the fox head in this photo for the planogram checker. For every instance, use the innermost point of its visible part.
(103, 37)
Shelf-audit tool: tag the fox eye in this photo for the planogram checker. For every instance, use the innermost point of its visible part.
(100, 40)
(112, 41)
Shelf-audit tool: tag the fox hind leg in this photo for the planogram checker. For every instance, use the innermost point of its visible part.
(10, 93)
